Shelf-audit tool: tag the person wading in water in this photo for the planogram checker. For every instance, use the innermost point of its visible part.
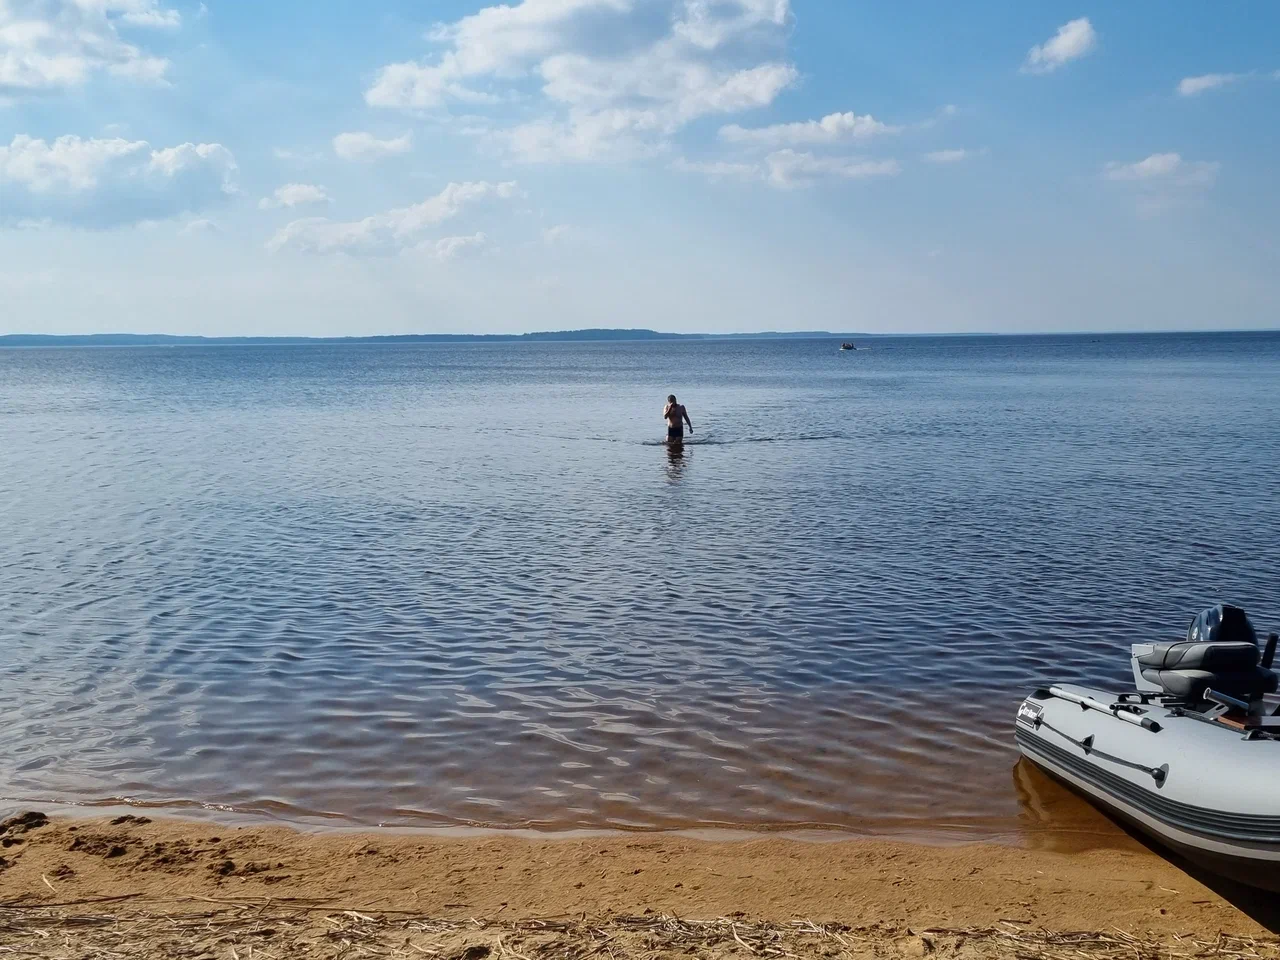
(676, 416)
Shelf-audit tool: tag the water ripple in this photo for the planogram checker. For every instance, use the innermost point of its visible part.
(448, 584)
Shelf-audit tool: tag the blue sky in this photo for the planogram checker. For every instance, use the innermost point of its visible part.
(715, 165)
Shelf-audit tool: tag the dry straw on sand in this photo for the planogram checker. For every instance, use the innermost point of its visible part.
(286, 928)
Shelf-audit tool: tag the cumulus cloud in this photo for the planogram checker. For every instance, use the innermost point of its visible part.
(49, 45)
(294, 195)
(366, 147)
(617, 77)
(1072, 41)
(389, 232)
(104, 183)
(596, 131)
(1190, 86)
(830, 129)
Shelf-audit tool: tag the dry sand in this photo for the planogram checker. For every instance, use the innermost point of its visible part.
(142, 888)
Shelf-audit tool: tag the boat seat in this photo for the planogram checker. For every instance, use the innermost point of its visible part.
(1187, 669)
(1188, 655)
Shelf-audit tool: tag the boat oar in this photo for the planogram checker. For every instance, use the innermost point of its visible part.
(1088, 703)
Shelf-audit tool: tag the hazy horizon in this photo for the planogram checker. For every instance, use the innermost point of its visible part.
(124, 338)
(214, 169)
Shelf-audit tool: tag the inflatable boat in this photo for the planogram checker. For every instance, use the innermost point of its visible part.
(1190, 756)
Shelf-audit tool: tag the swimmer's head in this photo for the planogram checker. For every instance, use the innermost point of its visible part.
(671, 398)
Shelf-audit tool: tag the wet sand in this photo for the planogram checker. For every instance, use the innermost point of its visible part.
(157, 885)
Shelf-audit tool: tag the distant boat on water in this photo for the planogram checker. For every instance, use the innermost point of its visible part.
(847, 346)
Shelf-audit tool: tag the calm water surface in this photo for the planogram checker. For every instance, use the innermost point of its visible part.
(462, 585)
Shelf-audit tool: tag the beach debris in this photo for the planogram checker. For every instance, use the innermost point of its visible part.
(296, 927)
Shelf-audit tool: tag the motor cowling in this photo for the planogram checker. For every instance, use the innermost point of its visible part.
(1223, 623)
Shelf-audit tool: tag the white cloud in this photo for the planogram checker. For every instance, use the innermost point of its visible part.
(1165, 168)
(454, 248)
(1072, 41)
(1190, 86)
(830, 129)
(198, 226)
(366, 147)
(662, 82)
(50, 45)
(103, 183)
(671, 96)
(557, 234)
(1163, 180)
(152, 16)
(603, 136)
(955, 155)
(618, 77)
(502, 40)
(719, 169)
(294, 195)
(386, 232)
(788, 169)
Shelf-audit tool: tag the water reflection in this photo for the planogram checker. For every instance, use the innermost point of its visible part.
(1056, 817)
(676, 462)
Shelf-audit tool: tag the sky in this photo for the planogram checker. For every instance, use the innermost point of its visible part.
(229, 167)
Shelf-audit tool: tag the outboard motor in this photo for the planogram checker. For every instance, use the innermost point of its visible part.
(1222, 624)
(1220, 654)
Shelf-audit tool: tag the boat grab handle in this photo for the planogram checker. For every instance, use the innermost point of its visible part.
(1115, 709)
(1158, 774)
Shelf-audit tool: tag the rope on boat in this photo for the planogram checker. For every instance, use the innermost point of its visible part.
(1157, 773)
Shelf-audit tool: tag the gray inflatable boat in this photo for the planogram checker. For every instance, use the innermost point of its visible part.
(1191, 756)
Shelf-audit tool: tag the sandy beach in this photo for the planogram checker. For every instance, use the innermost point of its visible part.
(143, 887)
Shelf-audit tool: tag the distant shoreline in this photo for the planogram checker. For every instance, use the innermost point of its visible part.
(553, 336)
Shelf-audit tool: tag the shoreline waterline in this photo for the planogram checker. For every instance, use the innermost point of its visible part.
(1051, 818)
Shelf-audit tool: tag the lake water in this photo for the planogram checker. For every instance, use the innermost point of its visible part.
(462, 584)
